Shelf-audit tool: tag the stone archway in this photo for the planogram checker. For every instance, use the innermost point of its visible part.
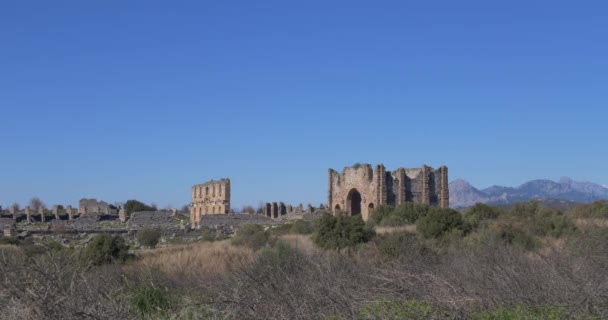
(353, 202)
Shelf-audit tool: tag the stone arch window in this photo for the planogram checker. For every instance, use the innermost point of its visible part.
(337, 208)
(213, 209)
(353, 202)
(213, 195)
(220, 190)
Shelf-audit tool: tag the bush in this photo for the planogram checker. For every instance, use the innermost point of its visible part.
(511, 235)
(149, 300)
(381, 213)
(478, 213)
(395, 309)
(209, 234)
(104, 249)
(137, 206)
(302, 227)
(341, 232)
(396, 245)
(9, 241)
(438, 221)
(252, 236)
(148, 237)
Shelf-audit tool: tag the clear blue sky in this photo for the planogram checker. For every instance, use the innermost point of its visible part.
(142, 100)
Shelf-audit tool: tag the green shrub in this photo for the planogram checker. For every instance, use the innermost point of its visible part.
(149, 300)
(252, 236)
(529, 313)
(438, 221)
(341, 232)
(148, 237)
(511, 235)
(9, 241)
(208, 234)
(137, 206)
(380, 213)
(406, 213)
(478, 213)
(597, 209)
(302, 227)
(396, 245)
(104, 249)
(395, 309)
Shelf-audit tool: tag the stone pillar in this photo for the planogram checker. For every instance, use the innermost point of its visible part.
(289, 209)
(444, 191)
(309, 209)
(381, 184)
(56, 212)
(122, 215)
(70, 212)
(426, 197)
(28, 214)
(41, 213)
(282, 209)
(13, 210)
(300, 208)
(275, 210)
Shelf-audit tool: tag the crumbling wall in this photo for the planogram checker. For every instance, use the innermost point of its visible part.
(359, 190)
(211, 197)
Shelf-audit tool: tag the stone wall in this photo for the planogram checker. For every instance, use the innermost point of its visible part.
(86, 206)
(212, 197)
(359, 189)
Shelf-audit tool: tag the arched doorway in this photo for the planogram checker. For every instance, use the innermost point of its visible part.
(353, 202)
(370, 209)
(337, 209)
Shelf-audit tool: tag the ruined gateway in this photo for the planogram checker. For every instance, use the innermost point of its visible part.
(358, 189)
(211, 197)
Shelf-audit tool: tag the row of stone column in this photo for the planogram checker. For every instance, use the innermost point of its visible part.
(55, 211)
(275, 210)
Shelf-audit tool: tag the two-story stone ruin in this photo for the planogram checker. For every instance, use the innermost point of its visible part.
(359, 189)
(211, 197)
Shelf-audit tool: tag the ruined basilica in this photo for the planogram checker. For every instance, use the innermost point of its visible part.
(359, 189)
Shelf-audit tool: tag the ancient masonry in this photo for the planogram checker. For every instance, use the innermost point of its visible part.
(93, 206)
(359, 189)
(211, 197)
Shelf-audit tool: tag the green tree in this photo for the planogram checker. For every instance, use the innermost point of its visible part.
(438, 222)
(137, 206)
(341, 232)
(104, 249)
(148, 237)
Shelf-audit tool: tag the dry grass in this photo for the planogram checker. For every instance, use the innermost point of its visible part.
(585, 223)
(301, 242)
(410, 228)
(197, 258)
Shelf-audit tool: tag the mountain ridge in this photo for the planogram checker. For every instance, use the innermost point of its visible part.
(463, 194)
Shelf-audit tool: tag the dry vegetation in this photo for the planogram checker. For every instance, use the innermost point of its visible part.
(523, 263)
(197, 258)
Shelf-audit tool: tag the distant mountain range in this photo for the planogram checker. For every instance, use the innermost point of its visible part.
(463, 194)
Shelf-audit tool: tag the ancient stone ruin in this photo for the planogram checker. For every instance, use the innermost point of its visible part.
(359, 189)
(93, 206)
(211, 197)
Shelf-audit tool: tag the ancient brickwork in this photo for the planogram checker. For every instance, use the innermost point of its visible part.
(359, 189)
(212, 197)
(93, 206)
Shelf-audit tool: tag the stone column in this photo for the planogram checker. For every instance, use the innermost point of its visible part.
(56, 212)
(275, 210)
(28, 214)
(122, 215)
(13, 210)
(41, 213)
(70, 212)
